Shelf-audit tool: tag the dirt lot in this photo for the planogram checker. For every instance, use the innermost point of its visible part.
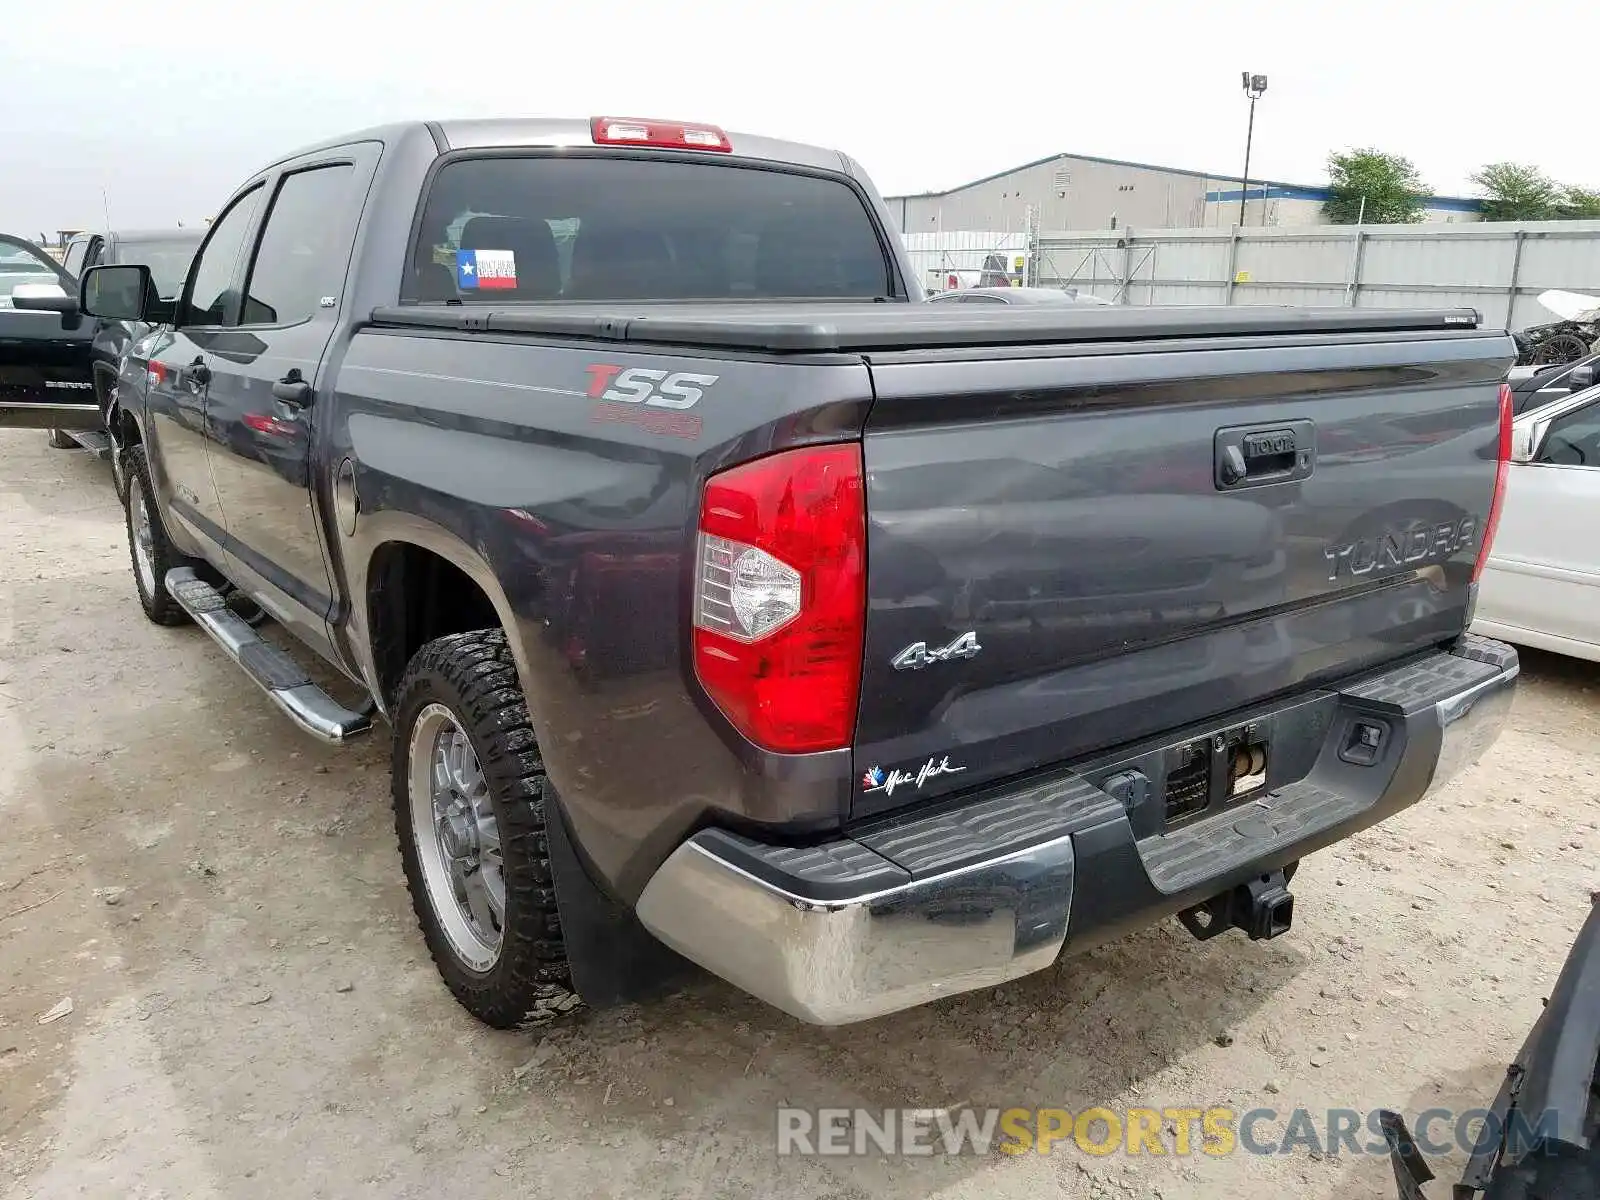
(253, 1013)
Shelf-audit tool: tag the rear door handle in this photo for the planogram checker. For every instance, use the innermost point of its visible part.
(292, 389)
(1253, 455)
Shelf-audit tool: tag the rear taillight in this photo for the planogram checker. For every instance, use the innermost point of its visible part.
(1502, 466)
(780, 596)
(667, 135)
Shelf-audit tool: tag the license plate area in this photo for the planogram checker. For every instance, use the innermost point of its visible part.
(1203, 772)
(1210, 774)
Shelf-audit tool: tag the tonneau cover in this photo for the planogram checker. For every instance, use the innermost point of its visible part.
(803, 327)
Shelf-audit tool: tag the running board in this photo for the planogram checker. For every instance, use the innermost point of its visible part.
(95, 442)
(285, 682)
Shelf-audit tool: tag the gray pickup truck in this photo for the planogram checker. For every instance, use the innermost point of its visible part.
(732, 608)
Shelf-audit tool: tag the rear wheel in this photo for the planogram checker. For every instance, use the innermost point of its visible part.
(153, 554)
(469, 803)
(61, 440)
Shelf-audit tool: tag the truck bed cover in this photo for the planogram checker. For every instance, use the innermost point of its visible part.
(803, 328)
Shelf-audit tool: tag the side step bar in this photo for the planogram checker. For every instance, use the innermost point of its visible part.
(95, 442)
(284, 680)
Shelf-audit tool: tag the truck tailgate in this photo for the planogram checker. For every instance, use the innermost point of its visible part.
(1069, 549)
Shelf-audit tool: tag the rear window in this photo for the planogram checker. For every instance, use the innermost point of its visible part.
(538, 229)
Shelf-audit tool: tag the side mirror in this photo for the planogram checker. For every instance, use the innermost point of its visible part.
(1580, 378)
(43, 297)
(116, 293)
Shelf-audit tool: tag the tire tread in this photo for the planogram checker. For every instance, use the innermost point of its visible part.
(531, 982)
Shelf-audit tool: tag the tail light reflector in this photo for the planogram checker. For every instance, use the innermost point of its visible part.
(1502, 467)
(780, 596)
(669, 135)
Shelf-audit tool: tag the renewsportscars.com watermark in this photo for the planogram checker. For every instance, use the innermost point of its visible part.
(1179, 1131)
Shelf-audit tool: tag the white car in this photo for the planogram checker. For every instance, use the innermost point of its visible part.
(1541, 585)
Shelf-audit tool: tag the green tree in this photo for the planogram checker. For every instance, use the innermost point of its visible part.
(1389, 184)
(1515, 192)
(1580, 204)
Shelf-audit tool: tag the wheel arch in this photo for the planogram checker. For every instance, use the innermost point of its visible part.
(398, 550)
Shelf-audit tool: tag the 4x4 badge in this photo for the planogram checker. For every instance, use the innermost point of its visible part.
(917, 655)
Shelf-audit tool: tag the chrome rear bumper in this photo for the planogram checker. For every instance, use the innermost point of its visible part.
(831, 962)
(972, 897)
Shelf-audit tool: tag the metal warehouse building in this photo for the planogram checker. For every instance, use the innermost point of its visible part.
(1075, 191)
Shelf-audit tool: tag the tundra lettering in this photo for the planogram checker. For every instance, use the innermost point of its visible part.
(1395, 548)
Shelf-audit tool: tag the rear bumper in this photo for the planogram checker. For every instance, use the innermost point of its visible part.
(972, 895)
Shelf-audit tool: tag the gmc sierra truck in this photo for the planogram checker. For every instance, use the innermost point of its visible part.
(731, 608)
(72, 366)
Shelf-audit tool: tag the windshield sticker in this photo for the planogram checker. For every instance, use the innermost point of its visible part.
(486, 268)
(879, 780)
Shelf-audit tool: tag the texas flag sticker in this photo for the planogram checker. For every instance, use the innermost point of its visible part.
(486, 269)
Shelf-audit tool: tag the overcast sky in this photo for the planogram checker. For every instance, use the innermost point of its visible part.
(166, 105)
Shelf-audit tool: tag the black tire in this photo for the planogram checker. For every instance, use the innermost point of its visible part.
(60, 440)
(472, 675)
(158, 605)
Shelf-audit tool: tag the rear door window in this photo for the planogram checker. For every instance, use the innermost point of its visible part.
(299, 260)
(612, 228)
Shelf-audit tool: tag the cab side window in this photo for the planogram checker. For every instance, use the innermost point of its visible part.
(214, 299)
(1573, 439)
(304, 247)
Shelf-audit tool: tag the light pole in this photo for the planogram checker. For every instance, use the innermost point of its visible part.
(1254, 86)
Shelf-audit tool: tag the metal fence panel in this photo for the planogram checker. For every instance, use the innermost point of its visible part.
(935, 256)
(1497, 268)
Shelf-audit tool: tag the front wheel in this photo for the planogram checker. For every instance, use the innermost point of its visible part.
(152, 552)
(469, 804)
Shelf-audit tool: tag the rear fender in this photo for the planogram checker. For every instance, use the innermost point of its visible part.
(614, 959)
(378, 529)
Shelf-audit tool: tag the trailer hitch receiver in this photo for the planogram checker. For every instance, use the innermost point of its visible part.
(1261, 906)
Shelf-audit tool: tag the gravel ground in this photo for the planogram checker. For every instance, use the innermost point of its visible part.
(253, 1013)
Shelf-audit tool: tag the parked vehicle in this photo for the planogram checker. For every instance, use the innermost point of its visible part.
(1016, 295)
(1541, 586)
(24, 264)
(46, 378)
(1534, 386)
(1539, 1137)
(167, 252)
(730, 606)
(1571, 337)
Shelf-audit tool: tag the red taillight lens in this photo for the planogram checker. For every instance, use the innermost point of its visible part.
(780, 596)
(1492, 521)
(669, 135)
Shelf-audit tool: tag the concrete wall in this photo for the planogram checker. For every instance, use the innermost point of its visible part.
(1069, 193)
